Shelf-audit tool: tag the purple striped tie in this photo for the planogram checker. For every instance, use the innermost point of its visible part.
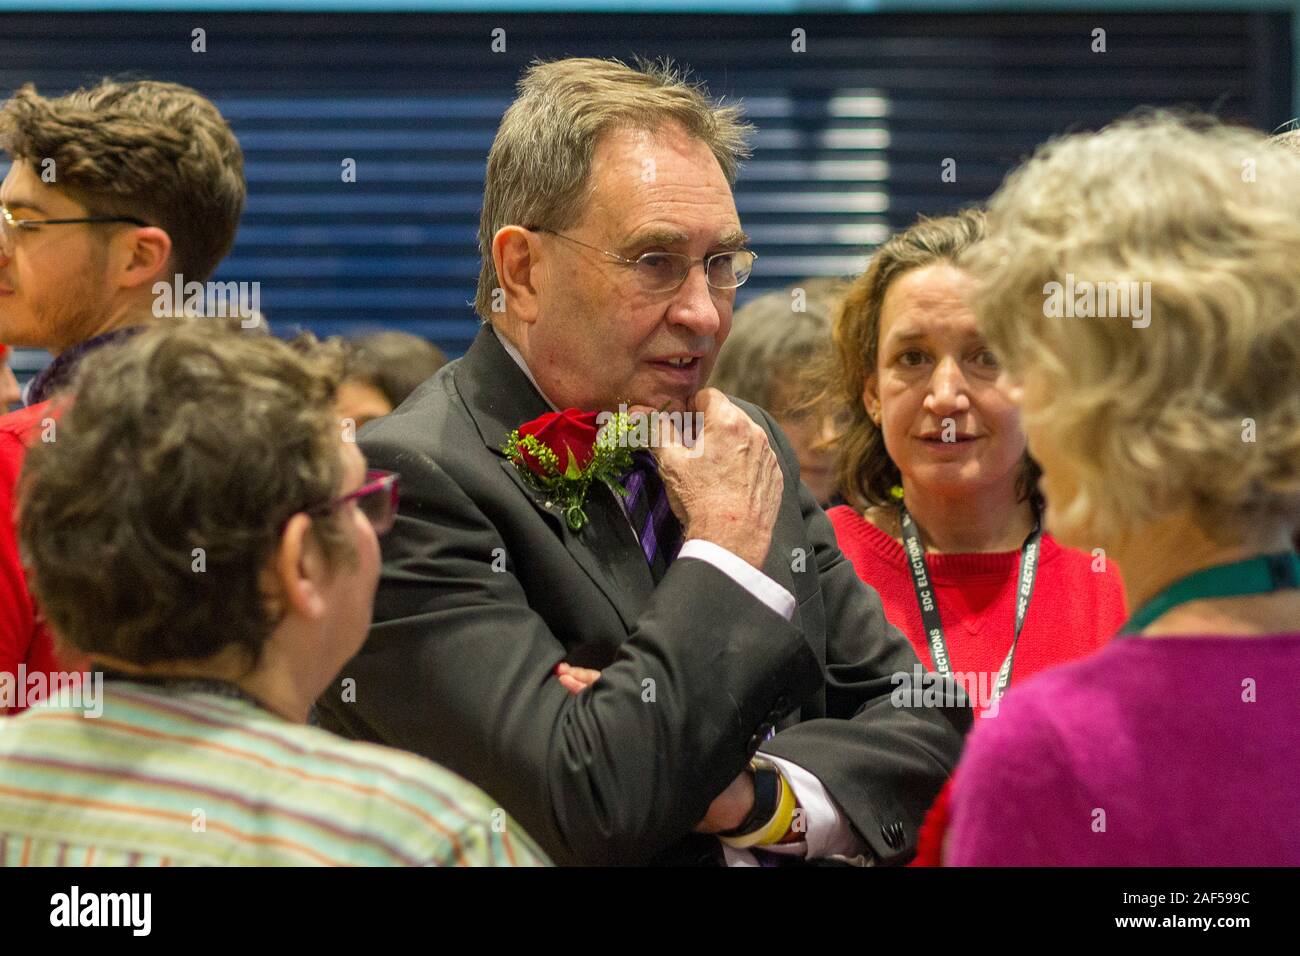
(657, 528)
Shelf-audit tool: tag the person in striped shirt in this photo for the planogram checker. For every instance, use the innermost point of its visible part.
(202, 530)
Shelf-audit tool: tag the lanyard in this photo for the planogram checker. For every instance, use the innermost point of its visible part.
(1258, 575)
(930, 608)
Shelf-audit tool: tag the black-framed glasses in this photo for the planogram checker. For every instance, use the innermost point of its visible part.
(376, 499)
(10, 226)
(666, 271)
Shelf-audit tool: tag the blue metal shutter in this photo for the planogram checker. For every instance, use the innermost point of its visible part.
(852, 132)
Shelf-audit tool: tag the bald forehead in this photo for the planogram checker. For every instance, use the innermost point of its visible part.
(664, 185)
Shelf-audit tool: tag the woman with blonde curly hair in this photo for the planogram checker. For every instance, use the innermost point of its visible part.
(944, 513)
(1141, 285)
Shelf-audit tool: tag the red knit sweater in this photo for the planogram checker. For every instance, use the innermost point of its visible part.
(1074, 609)
(25, 642)
(24, 639)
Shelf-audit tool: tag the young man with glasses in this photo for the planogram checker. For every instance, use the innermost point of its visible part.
(722, 676)
(111, 189)
(253, 532)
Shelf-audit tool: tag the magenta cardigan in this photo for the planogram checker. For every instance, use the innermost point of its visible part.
(1170, 751)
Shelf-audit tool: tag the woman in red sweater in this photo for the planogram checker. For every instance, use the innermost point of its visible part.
(944, 509)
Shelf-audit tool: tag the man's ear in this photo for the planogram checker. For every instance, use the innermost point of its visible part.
(145, 257)
(516, 253)
(299, 570)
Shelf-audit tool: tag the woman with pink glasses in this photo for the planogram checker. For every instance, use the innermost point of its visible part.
(202, 531)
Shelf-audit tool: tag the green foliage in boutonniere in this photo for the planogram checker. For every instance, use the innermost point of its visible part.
(562, 453)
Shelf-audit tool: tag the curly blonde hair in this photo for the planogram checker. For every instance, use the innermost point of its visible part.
(1200, 409)
(1288, 139)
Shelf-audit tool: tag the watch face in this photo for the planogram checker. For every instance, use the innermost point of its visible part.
(772, 798)
(767, 791)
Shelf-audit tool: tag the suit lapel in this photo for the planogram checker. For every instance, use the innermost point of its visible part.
(777, 564)
(500, 398)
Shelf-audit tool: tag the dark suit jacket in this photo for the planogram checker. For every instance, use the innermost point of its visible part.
(485, 588)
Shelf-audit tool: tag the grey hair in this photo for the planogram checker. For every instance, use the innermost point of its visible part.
(774, 340)
(539, 167)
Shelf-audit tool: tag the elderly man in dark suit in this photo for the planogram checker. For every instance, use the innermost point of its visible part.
(746, 708)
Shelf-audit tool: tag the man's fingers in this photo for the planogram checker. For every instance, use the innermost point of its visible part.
(669, 435)
(575, 679)
(707, 398)
(652, 430)
(572, 685)
(664, 438)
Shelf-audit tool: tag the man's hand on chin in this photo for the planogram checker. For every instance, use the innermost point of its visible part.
(730, 808)
(727, 487)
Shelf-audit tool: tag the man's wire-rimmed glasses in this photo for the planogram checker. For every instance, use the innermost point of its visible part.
(11, 226)
(666, 271)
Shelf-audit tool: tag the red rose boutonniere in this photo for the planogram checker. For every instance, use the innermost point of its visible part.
(562, 453)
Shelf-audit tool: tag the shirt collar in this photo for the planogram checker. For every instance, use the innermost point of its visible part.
(58, 373)
(523, 366)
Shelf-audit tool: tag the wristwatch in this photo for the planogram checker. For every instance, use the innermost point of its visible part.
(767, 798)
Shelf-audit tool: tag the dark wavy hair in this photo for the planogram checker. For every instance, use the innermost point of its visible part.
(192, 435)
(156, 151)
